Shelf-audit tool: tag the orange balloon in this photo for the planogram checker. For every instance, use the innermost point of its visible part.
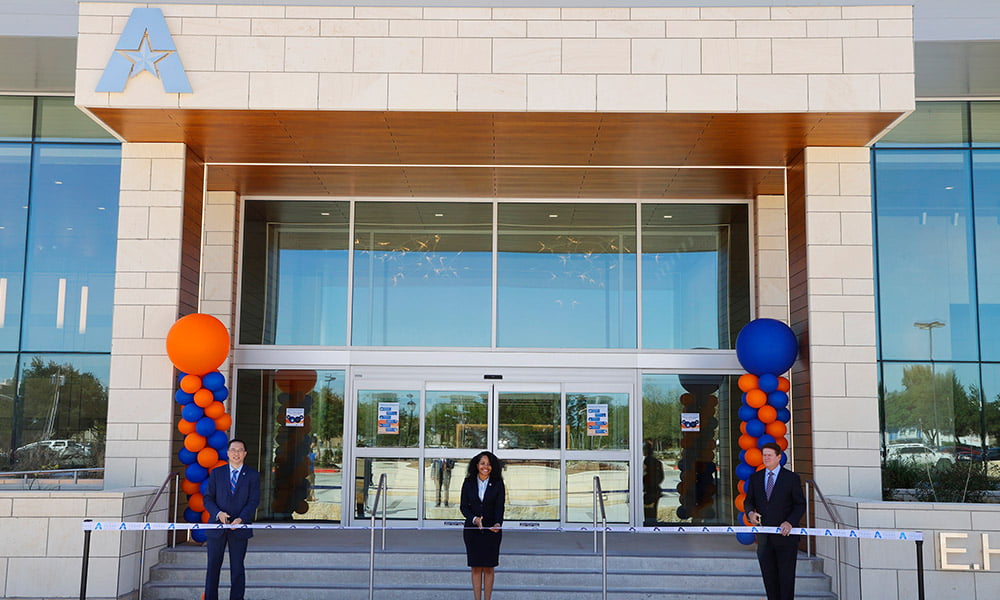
(184, 426)
(756, 398)
(753, 457)
(189, 487)
(194, 442)
(302, 507)
(711, 402)
(738, 502)
(198, 344)
(743, 427)
(767, 414)
(224, 422)
(777, 429)
(747, 382)
(205, 517)
(782, 443)
(760, 467)
(746, 521)
(740, 487)
(687, 399)
(746, 442)
(295, 381)
(215, 410)
(196, 502)
(203, 397)
(221, 463)
(784, 385)
(207, 457)
(191, 383)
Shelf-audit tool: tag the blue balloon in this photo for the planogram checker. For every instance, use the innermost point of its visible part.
(191, 516)
(767, 383)
(745, 538)
(778, 399)
(183, 398)
(213, 381)
(203, 488)
(784, 459)
(283, 398)
(784, 415)
(756, 428)
(744, 471)
(743, 456)
(767, 438)
(187, 457)
(221, 394)
(205, 426)
(747, 413)
(683, 512)
(181, 375)
(199, 535)
(196, 473)
(220, 441)
(192, 412)
(766, 346)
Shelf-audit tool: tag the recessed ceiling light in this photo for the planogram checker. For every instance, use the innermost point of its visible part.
(949, 187)
(100, 208)
(58, 183)
(668, 216)
(325, 214)
(438, 214)
(553, 216)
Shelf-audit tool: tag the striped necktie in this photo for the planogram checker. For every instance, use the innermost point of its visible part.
(232, 482)
(769, 487)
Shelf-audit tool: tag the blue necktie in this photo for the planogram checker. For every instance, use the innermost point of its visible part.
(232, 482)
(769, 487)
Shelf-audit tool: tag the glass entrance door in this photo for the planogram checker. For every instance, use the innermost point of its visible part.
(553, 438)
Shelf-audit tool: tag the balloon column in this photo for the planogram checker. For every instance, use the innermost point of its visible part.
(765, 348)
(696, 490)
(293, 464)
(197, 345)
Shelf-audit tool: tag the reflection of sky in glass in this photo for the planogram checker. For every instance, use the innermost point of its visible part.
(924, 254)
(14, 170)
(680, 293)
(987, 202)
(69, 287)
(312, 297)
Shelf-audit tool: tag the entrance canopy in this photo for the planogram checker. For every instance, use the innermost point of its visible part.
(496, 154)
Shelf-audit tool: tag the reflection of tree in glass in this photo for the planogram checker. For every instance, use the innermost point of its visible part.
(328, 423)
(368, 436)
(661, 414)
(459, 415)
(933, 406)
(529, 420)
(576, 421)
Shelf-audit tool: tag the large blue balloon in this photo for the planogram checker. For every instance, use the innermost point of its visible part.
(205, 426)
(192, 412)
(766, 346)
(196, 473)
(199, 535)
(187, 457)
(213, 381)
(745, 538)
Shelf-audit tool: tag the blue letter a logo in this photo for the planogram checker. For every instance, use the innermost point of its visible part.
(145, 45)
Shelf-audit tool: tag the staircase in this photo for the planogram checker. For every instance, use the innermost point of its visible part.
(430, 565)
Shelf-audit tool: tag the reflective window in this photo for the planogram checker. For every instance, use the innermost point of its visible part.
(985, 117)
(986, 176)
(16, 114)
(584, 415)
(443, 478)
(695, 275)
(926, 282)
(991, 406)
(69, 284)
(455, 419)
(8, 393)
(532, 489)
(57, 119)
(566, 276)
(932, 124)
(580, 490)
(294, 273)
(60, 412)
(528, 421)
(401, 486)
(15, 161)
(422, 274)
(933, 411)
(388, 418)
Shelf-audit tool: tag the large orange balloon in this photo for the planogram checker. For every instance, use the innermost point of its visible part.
(196, 502)
(295, 381)
(215, 410)
(198, 344)
(767, 414)
(753, 457)
(756, 398)
(747, 382)
(776, 429)
(194, 442)
(190, 487)
(207, 457)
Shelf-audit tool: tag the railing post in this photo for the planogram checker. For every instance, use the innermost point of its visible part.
(809, 523)
(86, 562)
(920, 569)
(596, 484)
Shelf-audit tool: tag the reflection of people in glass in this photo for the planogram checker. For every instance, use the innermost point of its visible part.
(441, 474)
(652, 477)
(482, 504)
(362, 482)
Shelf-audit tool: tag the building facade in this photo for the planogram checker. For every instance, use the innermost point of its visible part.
(437, 229)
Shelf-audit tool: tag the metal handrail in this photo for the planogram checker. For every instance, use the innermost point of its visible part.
(371, 549)
(599, 502)
(24, 474)
(145, 517)
(837, 522)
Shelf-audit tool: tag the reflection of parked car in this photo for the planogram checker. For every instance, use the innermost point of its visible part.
(919, 454)
(45, 453)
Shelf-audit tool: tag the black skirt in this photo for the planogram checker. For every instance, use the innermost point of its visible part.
(482, 547)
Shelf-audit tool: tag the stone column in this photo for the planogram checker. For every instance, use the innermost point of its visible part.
(219, 260)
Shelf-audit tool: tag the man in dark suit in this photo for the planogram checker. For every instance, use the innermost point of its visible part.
(232, 499)
(775, 499)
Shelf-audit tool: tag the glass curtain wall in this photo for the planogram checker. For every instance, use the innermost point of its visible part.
(59, 181)
(937, 233)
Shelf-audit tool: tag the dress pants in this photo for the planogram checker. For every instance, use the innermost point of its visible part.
(777, 564)
(216, 552)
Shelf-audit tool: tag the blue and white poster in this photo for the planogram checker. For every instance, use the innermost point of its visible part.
(597, 419)
(388, 418)
(690, 422)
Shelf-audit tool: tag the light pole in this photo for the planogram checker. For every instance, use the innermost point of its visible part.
(929, 327)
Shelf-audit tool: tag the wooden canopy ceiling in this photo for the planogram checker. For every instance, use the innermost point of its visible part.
(464, 154)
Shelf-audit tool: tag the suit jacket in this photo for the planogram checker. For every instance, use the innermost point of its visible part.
(490, 508)
(241, 504)
(787, 502)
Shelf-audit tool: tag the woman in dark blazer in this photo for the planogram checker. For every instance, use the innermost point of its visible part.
(482, 503)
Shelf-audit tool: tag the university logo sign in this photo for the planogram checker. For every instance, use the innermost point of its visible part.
(145, 45)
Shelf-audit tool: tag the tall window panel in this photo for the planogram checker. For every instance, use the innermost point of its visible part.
(15, 161)
(926, 272)
(991, 410)
(69, 283)
(566, 276)
(986, 175)
(422, 274)
(8, 401)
